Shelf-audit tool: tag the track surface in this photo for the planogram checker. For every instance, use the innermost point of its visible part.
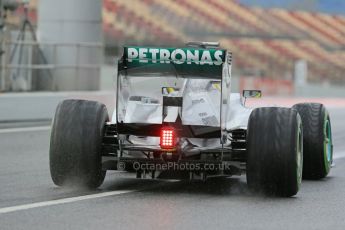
(126, 203)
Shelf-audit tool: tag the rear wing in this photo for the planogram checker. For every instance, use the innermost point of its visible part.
(187, 62)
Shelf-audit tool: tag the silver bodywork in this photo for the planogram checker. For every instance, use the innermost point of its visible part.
(237, 118)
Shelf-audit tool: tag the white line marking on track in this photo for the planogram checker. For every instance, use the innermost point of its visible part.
(25, 129)
(61, 201)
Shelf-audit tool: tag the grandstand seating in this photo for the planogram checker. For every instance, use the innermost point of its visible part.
(266, 40)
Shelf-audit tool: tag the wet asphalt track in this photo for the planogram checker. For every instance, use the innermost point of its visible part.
(220, 203)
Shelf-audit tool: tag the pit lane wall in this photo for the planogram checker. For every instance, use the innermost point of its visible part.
(16, 107)
(41, 105)
(286, 88)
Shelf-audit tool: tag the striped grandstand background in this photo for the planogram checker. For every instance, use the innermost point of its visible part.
(267, 41)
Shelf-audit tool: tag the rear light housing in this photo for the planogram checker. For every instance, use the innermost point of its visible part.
(168, 138)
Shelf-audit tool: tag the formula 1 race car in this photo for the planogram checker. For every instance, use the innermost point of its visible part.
(175, 112)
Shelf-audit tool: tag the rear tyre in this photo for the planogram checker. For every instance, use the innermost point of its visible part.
(274, 151)
(317, 140)
(75, 143)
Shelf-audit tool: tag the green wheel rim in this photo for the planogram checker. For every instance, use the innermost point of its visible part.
(299, 152)
(328, 144)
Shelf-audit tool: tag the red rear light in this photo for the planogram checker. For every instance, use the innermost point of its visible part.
(168, 138)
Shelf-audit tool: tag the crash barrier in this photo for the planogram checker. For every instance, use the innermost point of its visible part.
(32, 66)
(41, 105)
(268, 86)
(283, 88)
(290, 101)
